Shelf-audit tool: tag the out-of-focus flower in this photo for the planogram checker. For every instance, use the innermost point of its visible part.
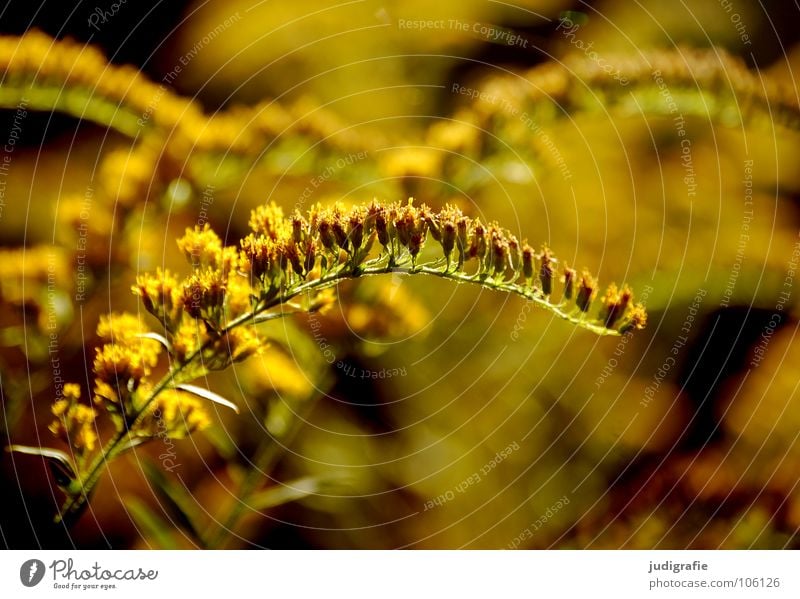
(173, 414)
(74, 422)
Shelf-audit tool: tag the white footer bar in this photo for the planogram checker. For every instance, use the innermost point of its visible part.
(402, 574)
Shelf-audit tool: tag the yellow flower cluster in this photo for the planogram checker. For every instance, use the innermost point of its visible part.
(162, 297)
(37, 278)
(38, 61)
(496, 257)
(285, 255)
(688, 72)
(122, 365)
(196, 310)
(173, 414)
(206, 315)
(707, 83)
(77, 79)
(128, 175)
(123, 389)
(74, 422)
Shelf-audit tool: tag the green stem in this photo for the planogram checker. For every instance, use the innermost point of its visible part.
(380, 267)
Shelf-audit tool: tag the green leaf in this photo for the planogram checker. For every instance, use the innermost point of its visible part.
(154, 528)
(156, 337)
(176, 499)
(60, 463)
(209, 395)
(222, 442)
(286, 492)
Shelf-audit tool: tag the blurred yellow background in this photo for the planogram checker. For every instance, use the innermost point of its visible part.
(450, 416)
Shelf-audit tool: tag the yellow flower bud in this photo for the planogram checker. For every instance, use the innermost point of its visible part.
(202, 247)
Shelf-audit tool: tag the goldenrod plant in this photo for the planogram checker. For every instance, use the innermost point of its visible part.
(268, 361)
(208, 319)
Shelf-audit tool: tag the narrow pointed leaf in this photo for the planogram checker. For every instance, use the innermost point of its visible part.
(176, 500)
(156, 337)
(59, 462)
(209, 395)
(155, 529)
(285, 493)
(221, 441)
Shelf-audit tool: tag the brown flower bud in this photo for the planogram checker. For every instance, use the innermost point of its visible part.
(355, 231)
(293, 254)
(406, 224)
(615, 303)
(477, 247)
(426, 215)
(587, 288)
(299, 227)
(416, 242)
(382, 227)
(527, 262)
(462, 242)
(339, 232)
(546, 271)
(513, 253)
(499, 253)
(326, 235)
(448, 234)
